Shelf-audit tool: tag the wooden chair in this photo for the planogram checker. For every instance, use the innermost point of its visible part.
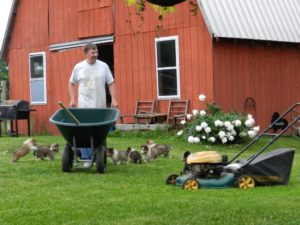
(142, 111)
(177, 111)
(145, 113)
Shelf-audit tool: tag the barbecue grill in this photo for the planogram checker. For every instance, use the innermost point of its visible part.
(15, 110)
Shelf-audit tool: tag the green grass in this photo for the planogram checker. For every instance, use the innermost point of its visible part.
(37, 192)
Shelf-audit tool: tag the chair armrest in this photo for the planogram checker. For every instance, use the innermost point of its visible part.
(179, 116)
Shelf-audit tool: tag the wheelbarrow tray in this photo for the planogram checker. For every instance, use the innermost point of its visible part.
(93, 128)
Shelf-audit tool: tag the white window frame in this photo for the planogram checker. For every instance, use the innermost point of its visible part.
(175, 38)
(43, 54)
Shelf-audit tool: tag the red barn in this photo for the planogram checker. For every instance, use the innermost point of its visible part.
(232, 51)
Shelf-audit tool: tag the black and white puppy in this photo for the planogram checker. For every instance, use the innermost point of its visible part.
(46, 151)
(117, 156)
(134, 156)
(148, 153)
(281, 124)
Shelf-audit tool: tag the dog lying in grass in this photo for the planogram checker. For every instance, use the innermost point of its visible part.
(43, 152)
(27, 146)
(151, 151)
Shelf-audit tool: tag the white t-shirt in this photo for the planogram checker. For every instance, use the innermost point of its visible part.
(91, 80)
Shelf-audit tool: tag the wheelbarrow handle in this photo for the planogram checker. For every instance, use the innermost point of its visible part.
(69, 113)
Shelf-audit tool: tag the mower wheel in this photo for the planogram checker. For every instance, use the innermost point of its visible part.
(67, 159)
(171, 179)
(190, 184)
(246, 181)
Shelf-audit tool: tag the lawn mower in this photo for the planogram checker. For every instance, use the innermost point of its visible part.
(209, 169)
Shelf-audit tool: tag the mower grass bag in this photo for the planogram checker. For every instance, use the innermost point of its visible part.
(270, 168)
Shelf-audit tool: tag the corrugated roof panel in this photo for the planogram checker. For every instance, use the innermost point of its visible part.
(270, 20)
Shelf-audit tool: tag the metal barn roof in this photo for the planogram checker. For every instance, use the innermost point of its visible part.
(268, 20)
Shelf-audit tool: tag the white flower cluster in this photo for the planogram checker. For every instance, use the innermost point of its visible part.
(219, 130)
(192, 139)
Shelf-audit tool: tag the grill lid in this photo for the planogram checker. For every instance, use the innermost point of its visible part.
(17, 104)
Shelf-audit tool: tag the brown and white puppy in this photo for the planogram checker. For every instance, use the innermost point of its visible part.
(134, 156)
(46, 151)
(27, 146)
(117, 156)
(148, 153)
(159, 149)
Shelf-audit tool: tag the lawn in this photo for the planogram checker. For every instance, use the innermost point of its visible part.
(37, 192)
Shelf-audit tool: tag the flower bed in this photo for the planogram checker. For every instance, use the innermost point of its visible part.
(212, 125)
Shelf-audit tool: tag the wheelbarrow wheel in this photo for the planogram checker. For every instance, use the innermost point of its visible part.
(67, 159)
(100, 159)
(171, 179)
(246, 181)
(190, 184)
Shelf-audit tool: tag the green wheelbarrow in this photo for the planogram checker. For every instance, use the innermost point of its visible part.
(89, 129)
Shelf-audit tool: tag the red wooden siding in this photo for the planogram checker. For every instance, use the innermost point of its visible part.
(62, 21)
(134, 52)
(73, 19)
(94, 18)
(30, 29)
(29, 34)
(269, 73)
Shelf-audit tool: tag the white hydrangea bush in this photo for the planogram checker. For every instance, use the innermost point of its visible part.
(212, 125)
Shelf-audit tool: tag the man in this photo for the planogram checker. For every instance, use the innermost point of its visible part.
(91, 74)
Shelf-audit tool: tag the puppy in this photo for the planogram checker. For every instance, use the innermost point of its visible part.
(281, 124)
(117, 156)
(148, 153)
(27, 146)
(134, 156)
(186, 167)
(159, 149)
(46, 151)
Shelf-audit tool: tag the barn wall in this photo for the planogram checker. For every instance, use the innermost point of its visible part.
(36, 28)
(71, 20)
(134, 49)
(266, 72)
(29, 35)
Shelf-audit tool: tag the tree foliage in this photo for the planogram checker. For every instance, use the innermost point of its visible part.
(3, 70)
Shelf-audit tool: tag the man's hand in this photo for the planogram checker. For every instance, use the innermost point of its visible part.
(114, 103)
(72, 103)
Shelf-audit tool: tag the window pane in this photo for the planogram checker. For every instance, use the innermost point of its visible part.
(36, 66)
(37, 91)
(166, 54)
(167, 82)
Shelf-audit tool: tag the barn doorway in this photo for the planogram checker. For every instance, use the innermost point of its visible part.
(106, 54)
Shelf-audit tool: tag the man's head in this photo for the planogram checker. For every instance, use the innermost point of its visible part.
(91, 52)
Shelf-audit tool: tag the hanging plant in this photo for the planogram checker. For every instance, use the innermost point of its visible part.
(165, 3)
(162, 6)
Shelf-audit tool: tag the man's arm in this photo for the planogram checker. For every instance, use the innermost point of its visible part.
(112, 90)
(72, 95)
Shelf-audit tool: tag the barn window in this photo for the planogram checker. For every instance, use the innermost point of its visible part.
(167, 67)
(37, 70)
